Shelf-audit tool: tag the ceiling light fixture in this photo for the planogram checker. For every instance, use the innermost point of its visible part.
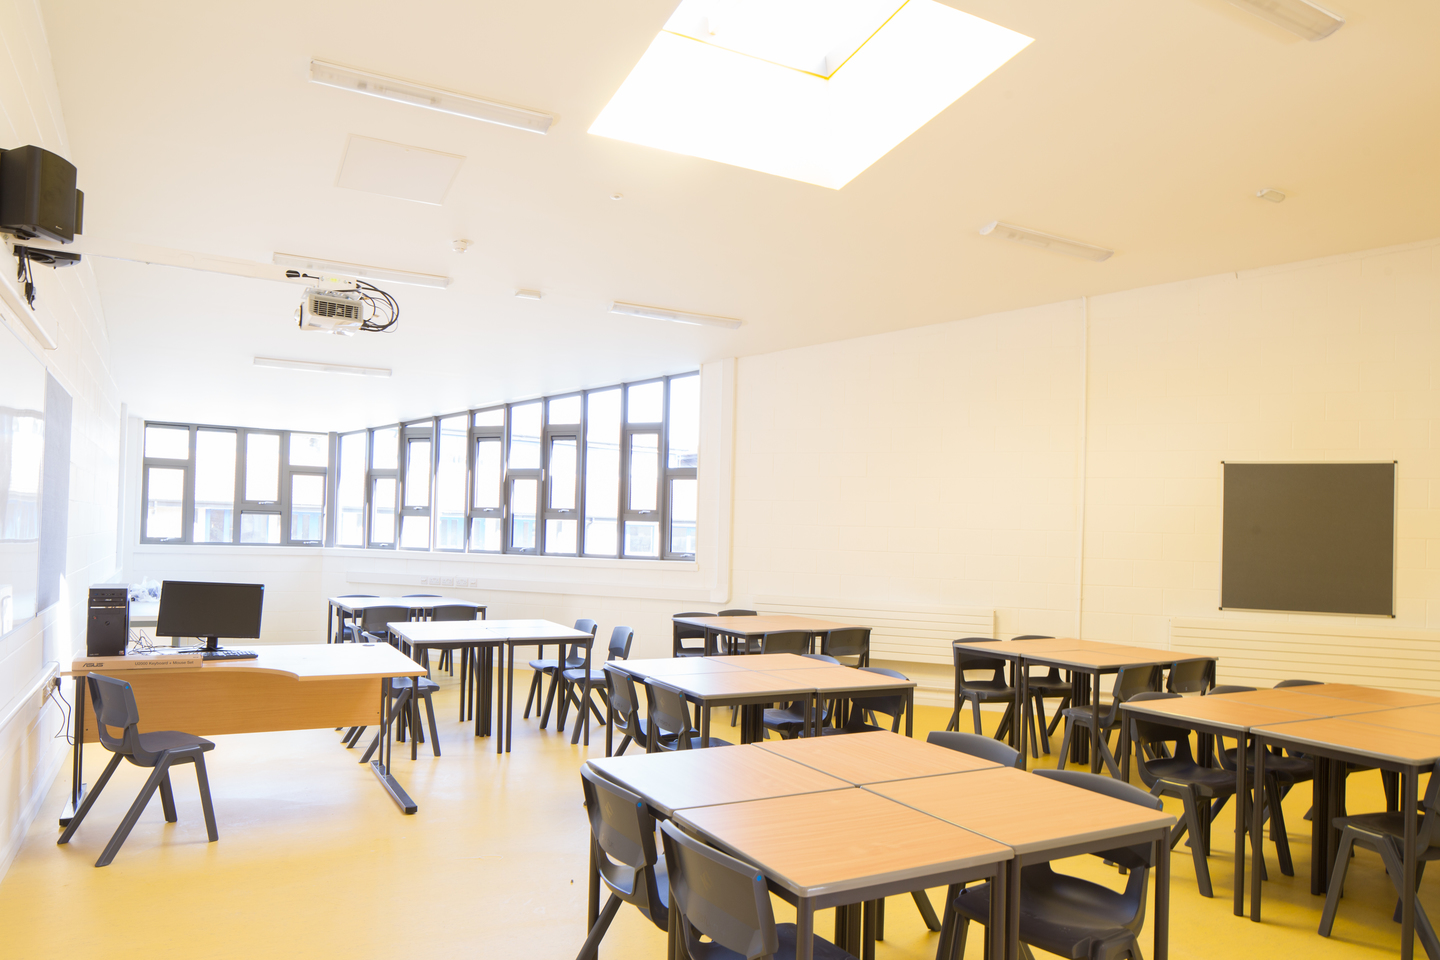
(675, 316)
(310, 366)
(359, 270)
(1047, 241)
(528, 294)
(445, 101)
(1271, 194)
(1301, 17)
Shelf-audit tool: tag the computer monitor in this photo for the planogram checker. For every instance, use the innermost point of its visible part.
(210, 611)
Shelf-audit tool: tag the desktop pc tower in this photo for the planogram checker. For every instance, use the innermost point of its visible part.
(108, 628)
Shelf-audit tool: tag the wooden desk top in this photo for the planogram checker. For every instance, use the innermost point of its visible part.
(827, 678)
(875, 757)
(1110, 657)
(853, 839)
(1295, 699)
(1018, 648)
(1028, 813)
(1353, 737)
(1375, 695)
(302, 661)
(699, 778)
(771, 662)
(356, 604)
(736, 683)
(768, 623)
(1220, 711)
(421, 632)
(534, 631)
(1425, 719)
(673, 666)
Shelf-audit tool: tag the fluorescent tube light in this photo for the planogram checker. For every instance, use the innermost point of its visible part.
(1300, 17)
(1047, 241)
(528, 294)
(675, 316)
(360, 270)
(400, 91)
(310, 366)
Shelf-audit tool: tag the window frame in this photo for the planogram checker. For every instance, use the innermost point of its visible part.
(549, 433)
(415, 431)
(489, 433)
(372, 473)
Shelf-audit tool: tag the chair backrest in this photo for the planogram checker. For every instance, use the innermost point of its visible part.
(1034, 636)
(1297, 683)
(1139, 856)
(373, 620)
(410, 596)
(620, 640)
(1130, 682)
(985, 748)
(737, 613)
(718, 896)
(685, 631)
(848, 642)
(455, 611)
(890, 704)
(114, 704)
(574, 657)
(669, 715)
(1227, 688)
(1429, 834)
(968, 658)
(823, 658)
(786, 641)
(353, 596)
(620, 688)
(622, 834)
(1145, 731)
(1191, 676)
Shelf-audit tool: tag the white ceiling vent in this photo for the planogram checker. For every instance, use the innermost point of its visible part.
(396, 170)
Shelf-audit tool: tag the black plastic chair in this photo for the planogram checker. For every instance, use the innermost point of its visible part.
(669, 717)
(976, 692)
(847, 642)
(1384, 833)
(737, 613)
(977, 746)
(684, 631)
(349, 631)
(864, 708)
(1227, 688)
(451, 612)
(406, 694)
(1052, 684)
(1129, 682)
(547, 667)
(727, 900)
(623, 858)
(577, 682)
(1195, 786)
(1191, 676)
(373, 620)
(1068, 915)
(624, 704)
(786, 641)
(734, 642)
(114, 704)
(1298, 683)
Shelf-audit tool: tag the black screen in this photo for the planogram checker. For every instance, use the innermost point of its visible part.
(1312, 537)
(226, 610)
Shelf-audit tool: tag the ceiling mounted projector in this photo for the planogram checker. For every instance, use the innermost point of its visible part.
(330, 311)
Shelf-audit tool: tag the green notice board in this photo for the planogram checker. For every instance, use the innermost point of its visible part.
(1311, 537)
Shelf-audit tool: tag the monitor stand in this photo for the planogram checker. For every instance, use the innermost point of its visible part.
(208, 645)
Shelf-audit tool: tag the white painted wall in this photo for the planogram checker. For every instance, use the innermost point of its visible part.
(68, 308)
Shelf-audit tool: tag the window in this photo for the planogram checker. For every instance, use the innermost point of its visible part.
(611, 472)
(205, 484)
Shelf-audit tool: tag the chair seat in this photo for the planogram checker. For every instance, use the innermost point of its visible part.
(988, 690)
(576, 674)
(1386, 824)
(172, 740)
(400, 685)
(1209, 779)
(696, 743)
(1291, 768)
(1050, 688)
(1060, 914)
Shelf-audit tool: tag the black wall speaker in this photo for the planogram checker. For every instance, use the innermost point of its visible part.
(38, 196)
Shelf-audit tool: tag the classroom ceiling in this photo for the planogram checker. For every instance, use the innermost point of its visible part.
(1145, 126)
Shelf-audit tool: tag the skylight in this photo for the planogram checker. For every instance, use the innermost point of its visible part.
(812, 90)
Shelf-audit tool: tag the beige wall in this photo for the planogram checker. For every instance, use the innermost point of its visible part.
(68, 308)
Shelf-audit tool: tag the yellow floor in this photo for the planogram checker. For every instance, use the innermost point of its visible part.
(314, 860)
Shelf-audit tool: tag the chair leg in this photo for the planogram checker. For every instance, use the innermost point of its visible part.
(549, 700)
(591, 947)
(89, 799)
(167, 798)
(927, 911)
(1065, 744)
(203, 779)
(1277, 827)
(1399, 903)
(975, 705)
(1058, 715)
(434, 733)
(352, 739)
(1040, 715)
(132, 816)
(531, 697)
(954, 722)
(1197, 849)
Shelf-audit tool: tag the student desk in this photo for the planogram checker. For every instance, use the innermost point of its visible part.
(1333, 742)
(753, 628)
(477, 661)
(536, 633)
(746, 689)
(288, 687)
(1040, 820)
(342, 607)
(874, 757)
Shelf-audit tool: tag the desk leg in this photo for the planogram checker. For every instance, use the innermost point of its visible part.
(1409, 788)
(1022, 710)
(381, 767)
(705, 725)
(1257, 824)
(910, 712)
(329, 622)
(508, 704)
(1095, 723)
(1319, 795)
(1240, 792)
(1162, 897)
(804, 928)
(995, 930)
(1012, 911)
(77, 756)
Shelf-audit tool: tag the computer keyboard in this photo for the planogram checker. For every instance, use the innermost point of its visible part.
(228, 655)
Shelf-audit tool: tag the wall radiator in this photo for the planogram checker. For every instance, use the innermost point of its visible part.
(1260, 653)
